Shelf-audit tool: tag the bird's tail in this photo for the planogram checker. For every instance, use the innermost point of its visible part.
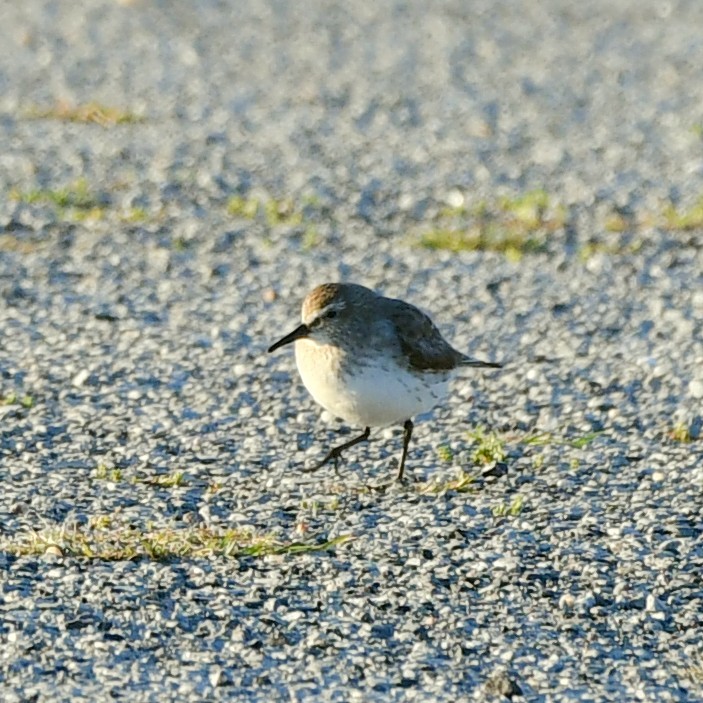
(477, 363)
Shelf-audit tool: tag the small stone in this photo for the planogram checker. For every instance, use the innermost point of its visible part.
(498, 469)
(269, 295)
(455, 198)
(216, 677)
(80, 378)
(502, 684)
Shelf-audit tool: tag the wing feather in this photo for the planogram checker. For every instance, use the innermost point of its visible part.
(420, 339)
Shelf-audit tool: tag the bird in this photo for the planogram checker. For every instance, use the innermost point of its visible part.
(372, 361)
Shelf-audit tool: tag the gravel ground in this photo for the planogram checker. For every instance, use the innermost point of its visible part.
(282, 145)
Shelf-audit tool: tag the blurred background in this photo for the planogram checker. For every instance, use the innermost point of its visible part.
(454, 126)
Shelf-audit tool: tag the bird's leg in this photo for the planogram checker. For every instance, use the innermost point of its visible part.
(407, 434)
(337, 451)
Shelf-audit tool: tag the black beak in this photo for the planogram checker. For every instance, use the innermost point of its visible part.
(297, 333)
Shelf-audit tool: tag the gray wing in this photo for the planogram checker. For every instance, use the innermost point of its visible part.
(420, 340)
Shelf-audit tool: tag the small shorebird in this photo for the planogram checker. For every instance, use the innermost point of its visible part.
(372, 361)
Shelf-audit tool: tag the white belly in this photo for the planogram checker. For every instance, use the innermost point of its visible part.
(375, 395)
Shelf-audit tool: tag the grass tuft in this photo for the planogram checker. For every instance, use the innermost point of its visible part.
(686, 220)
(680, 433)
(274, 212)
(512, 509)
(92, 112)
(101, 541)
(105, 473)
(246, 208)
(26, 401)
(512, 226)
(134, 215)
(583, 440)
(315, 506)
(79, 202)
(172, 480)
(463, 483)
(77, 196)
(488, 447)
(542, 439)
(311, 238)
(445, 453)
(615, 222)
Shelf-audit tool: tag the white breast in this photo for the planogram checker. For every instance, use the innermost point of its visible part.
(370, 395)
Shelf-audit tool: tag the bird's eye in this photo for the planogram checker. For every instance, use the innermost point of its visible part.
(330, 314)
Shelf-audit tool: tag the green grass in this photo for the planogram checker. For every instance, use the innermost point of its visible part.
(613, 248)
(445, 453)
(529, 209)
(513, 226)
(512, 509)
(316, 506)
(615, 222)
(583, 440)
(539, 439)
(521, 225)
(26, 401)
(680, 433)
(101, 541)
(105, 473)
(311, 238)
(481, 238)
(669, 217)
(542, 439)
(538, 462)
(683, 219)
(487, 447)
(303, 217)
(462, 483)
(92, 112)
(76, 195)
(172, 480)
(134, 214)
(77, 201)
(274, 212)
(246, 208)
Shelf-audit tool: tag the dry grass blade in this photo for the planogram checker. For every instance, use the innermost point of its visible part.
(91, 112)
(106, 543)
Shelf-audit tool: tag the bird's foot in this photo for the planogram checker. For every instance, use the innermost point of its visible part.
(333, 455)
(336, 453)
